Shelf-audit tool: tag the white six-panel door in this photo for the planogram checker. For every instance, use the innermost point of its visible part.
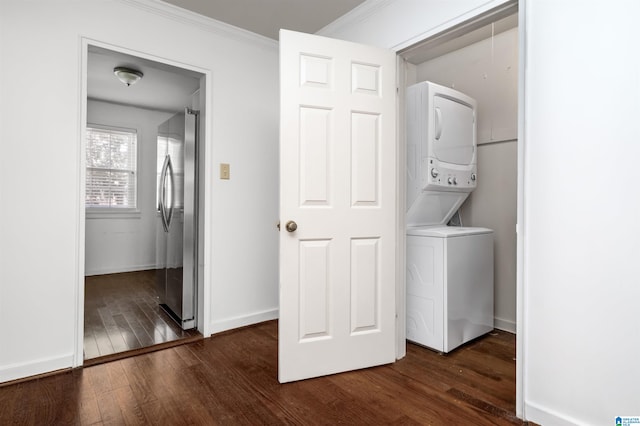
(337, 183)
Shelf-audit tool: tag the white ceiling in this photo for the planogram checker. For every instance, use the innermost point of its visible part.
(163, 87)
(168, 88)
(266, 17)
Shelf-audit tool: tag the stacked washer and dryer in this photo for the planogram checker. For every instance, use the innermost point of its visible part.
(449, 268)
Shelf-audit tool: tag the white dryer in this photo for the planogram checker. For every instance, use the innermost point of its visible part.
(449, 285)
(441, 152)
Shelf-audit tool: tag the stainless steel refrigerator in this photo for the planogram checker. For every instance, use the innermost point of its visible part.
(176, 233)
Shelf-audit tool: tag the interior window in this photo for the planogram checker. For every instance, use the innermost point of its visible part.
(111, 176)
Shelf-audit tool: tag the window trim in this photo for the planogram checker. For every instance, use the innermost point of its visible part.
(94, 212)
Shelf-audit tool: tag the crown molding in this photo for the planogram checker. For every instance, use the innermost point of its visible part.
(358, 14)
(205, 23)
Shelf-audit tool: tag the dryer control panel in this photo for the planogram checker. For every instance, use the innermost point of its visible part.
(443, 177)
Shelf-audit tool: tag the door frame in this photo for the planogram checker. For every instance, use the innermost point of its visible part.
(203, 307)
(454, 30)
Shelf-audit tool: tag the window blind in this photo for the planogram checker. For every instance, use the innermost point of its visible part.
(111, 169)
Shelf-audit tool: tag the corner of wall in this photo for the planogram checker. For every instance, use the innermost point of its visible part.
(208, 24)
(505, 325)
(356, 15)
(545, 416)
(33, 368)
(225, 324)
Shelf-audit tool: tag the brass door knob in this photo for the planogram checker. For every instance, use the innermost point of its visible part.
(291, 226)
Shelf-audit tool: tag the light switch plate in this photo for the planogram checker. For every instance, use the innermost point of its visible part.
(225, 171)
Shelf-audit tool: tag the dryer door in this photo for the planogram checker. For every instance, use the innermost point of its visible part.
(453, 135)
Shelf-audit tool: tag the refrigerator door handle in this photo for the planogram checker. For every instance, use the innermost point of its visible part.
(162, 194)
(171, 191)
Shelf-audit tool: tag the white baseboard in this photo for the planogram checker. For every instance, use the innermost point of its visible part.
(504, 325)
(116, 270)
(244, 320)
(544, 416)
(33, 368)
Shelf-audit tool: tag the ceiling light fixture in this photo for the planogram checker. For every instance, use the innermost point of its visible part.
(127, 75)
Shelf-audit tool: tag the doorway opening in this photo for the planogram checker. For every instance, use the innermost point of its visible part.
(138, 211)
(480, 58)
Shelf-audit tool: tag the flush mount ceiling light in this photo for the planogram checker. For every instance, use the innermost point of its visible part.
(127, 75)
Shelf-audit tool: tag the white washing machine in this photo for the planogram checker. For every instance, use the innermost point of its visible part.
(449, 285)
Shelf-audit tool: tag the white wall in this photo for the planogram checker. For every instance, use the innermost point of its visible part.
(582, 145)
(126, 242)
(41, 94)
(488, 72)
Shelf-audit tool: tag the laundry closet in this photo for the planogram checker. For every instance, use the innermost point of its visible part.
(482, 64)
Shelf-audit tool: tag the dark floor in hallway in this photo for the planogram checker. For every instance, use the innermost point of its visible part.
(121, 314)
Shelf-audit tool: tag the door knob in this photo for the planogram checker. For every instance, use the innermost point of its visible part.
(291, 226)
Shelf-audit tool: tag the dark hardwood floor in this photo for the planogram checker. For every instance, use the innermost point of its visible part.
(231, 379)
(121, 315)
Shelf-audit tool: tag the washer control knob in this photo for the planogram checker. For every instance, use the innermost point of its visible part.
(434, 173)
(473, 177)
(450, 181)
(455, 181)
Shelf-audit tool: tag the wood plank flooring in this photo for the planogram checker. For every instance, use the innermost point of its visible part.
(121, 314)
(231, 379)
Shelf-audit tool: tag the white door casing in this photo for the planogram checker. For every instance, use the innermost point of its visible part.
(337, 182)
